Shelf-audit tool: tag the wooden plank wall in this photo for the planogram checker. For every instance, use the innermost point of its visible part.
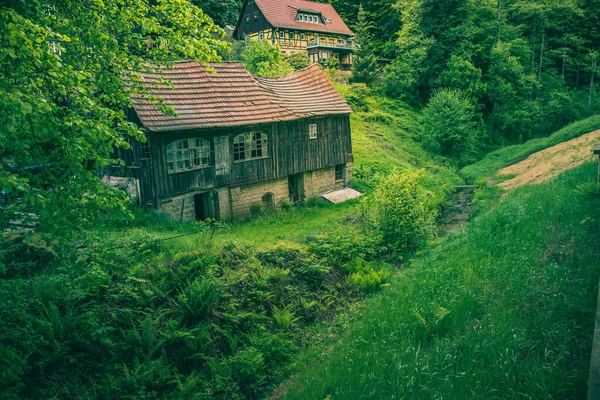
(291, 151)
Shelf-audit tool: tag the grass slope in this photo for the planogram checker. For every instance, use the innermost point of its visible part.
(504, 309)
(499, 159)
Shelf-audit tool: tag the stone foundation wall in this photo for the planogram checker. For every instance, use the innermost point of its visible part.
(179, 208)
(237, 202)
(243, 198)
(320, 181)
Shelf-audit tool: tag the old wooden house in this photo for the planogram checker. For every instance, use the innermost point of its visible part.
(237, 141)
(298, 26)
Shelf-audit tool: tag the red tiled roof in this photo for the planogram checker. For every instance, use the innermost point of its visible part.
(307, 92)
(282, 14)
(233, 97)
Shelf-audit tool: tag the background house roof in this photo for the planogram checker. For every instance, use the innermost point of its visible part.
(282, 14)
(233, 97)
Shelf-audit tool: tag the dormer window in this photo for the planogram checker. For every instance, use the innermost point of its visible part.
(312, 18)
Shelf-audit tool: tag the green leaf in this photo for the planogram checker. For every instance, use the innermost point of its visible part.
(26, 108)
(7, 188)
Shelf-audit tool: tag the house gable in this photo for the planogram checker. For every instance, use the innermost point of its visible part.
(251, 20)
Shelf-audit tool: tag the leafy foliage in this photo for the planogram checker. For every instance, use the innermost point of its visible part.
(451, 125)
(264, 59)
(69, 69)
(298, 60)
(400, 211)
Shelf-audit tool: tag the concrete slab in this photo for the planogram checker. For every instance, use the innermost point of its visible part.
(342, 195)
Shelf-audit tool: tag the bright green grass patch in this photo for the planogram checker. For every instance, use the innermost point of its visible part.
(504, 309)
(498, 159)
(387, 137)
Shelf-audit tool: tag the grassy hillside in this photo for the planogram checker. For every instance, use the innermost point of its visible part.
(498, 159)
(504, 309)
(386, 135)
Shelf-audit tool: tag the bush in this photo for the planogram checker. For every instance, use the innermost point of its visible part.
(298, 60)
(399, 210)
(452, 127)
(286, 204)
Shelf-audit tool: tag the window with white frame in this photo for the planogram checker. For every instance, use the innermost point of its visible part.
(188, 154)
(250, 146)
(315, 19)
(281, 35)
(261, 36)
(312, 131)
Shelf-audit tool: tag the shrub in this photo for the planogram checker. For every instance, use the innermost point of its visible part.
(298, 60)
(398, 210)
(452, 127)
(286, 204)
(344, 243)
(256, 209)
(356, 95)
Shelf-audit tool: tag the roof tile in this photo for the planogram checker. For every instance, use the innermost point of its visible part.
(231, 96)
(282, 14)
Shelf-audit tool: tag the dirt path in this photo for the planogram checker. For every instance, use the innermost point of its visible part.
(548, 163)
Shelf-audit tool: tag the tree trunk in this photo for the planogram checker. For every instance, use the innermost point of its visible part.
(499, 18)
(532, 56)
(594, 63)
(537, 90)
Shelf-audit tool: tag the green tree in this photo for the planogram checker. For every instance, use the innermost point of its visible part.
(68, 71)
(223, 12)
(451, 124)
(298, 60)
(364, 68)
(405, 75)
(264, 59)
(463, 75)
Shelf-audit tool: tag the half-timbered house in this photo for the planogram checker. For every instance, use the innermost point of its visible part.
(298, 26)
(237, 140)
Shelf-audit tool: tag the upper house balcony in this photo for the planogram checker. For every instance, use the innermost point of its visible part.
(337, 44)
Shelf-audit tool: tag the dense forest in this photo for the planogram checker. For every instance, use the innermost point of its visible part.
(101, 298)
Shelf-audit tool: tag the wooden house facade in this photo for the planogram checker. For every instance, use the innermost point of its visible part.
(237, 141)
(298, 26)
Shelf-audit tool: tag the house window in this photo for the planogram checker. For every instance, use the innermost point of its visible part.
(302, 36)
(248, 19)
(188, 154)
(249, 146)
(339, 172)
(291, 35)
(281, 35)
(310, 18)
(144, 150)
(261, 36)
(312, 131)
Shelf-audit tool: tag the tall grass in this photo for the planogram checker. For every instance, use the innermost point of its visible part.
(498, 159)
(504, 309)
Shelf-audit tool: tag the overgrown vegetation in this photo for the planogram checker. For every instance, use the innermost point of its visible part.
(504, 309)
(146, 320)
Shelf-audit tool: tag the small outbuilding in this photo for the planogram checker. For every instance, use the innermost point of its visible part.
(237, 142)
